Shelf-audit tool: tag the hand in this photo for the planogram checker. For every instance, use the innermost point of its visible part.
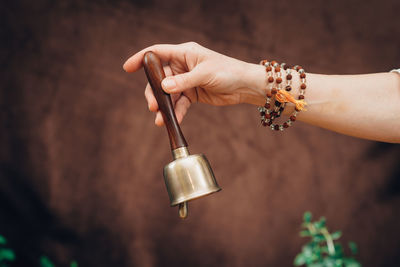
(197, 74)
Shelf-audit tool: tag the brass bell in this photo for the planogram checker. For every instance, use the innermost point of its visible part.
(188, 177)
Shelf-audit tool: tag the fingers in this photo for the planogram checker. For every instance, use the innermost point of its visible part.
(151, 100)
(184, 81)
(181, 102)
(181, 107)
(164, 51)
(159, 119)
(148, 93)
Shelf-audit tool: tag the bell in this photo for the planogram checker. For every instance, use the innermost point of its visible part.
(189, 176)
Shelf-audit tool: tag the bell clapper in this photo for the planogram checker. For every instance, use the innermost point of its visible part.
(183, 210)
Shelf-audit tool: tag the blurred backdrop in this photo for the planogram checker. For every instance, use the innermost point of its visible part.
(81, 160)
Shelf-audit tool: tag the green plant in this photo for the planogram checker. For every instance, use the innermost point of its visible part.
(323, 250)
(6, 254)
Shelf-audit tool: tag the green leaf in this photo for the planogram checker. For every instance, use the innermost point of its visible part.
(316, 254)
(305, 233)
(308, 253)
(299, 260)
(336, 235)
(339, 262)
(329, 262)
(73, 264)
(350, 262)
(45, 262)
(318, 238)
(3, 240)
(338, 250)
(353, 247)
(315, 265)
(321, 223)
(307, 216)
(6, 254)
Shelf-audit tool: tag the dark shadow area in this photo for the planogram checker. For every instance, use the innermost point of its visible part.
(26, 220)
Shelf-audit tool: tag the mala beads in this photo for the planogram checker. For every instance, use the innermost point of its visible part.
(280, 95)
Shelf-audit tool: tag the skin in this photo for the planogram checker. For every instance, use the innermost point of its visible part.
(365, 106)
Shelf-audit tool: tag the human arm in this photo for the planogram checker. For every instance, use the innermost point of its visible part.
(366, 106)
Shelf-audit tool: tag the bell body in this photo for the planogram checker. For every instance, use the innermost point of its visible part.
(189, 177)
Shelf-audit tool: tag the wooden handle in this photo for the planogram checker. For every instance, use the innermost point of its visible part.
(155, 74)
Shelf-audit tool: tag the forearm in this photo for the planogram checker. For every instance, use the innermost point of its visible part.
(365, 106)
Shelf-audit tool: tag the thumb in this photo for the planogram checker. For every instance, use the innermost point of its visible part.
(182, 82)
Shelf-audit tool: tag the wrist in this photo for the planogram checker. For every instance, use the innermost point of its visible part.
(255, 80)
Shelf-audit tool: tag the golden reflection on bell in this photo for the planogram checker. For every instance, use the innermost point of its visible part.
(188, 177)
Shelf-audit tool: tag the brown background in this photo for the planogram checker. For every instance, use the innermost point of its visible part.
(81, 160)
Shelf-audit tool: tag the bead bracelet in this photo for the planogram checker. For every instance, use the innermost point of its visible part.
(281, 97)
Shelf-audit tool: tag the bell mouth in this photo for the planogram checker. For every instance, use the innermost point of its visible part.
(194, 196)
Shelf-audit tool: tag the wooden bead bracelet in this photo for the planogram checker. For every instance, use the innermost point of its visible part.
(280, 95)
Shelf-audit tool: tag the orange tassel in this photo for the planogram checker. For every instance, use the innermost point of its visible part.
(283, 96)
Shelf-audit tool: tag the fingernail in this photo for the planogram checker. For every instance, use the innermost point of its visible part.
(168, 83)
(124, 66)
